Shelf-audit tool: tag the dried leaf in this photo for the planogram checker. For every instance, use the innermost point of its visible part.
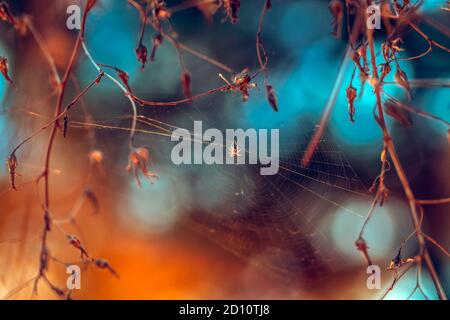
(351, 96)
(271, 97)
(337, 10)
(12, 164)
(4, 69)
(402, 79)
(386, 69)
(393, 109)
(92, 198)
(157, 40)
(231, 8)
(161, 11)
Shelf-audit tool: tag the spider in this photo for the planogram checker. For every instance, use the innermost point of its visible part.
(241, 82)
(234, 150)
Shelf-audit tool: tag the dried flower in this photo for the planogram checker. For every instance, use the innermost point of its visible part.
(361, 245)
(92, 198)
(5, 70)
(161, 11)
(397, 262)
(96, 156)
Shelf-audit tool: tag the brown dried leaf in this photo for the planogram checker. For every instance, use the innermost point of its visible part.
(361, 245)
(92, 198)
(271, 97)
(124, 77)
(4, 69)
(157, 40)
(393, 109)
(103, 264)
(139, 161)
(351, 96)
(337, 10)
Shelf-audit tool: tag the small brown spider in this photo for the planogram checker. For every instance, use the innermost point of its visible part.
(241, 82)
(234, 150)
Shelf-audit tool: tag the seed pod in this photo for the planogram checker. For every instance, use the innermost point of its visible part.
(361, 245)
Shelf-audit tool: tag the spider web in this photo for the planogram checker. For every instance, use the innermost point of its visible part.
(272, 222)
